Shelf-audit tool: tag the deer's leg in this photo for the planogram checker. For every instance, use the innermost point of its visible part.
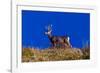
(54, 45)
(67, 43)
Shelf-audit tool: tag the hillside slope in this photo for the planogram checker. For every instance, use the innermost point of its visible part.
(34, 55)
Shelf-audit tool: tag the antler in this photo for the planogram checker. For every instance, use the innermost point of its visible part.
(49, 27)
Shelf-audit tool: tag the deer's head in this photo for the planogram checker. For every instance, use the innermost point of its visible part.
(48, 30)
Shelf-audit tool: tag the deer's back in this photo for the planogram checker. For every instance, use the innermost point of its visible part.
(58, 38)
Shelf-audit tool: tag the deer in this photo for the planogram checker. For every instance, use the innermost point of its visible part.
(57, 41)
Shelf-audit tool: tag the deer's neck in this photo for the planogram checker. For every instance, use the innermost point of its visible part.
(49, 35)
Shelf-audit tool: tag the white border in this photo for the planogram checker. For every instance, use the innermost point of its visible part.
(17, 66)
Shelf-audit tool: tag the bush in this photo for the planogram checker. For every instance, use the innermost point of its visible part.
(54, 54)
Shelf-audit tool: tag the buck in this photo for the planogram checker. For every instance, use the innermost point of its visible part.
(57, 41)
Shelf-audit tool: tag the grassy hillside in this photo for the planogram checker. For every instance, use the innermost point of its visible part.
(54, 54)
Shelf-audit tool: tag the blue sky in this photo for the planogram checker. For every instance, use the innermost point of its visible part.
(75, 25)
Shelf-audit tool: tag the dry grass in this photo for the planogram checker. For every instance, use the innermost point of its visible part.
(54, 54)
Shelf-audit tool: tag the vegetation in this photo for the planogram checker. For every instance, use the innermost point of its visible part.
(54, 54)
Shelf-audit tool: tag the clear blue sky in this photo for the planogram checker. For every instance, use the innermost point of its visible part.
(76, 25)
